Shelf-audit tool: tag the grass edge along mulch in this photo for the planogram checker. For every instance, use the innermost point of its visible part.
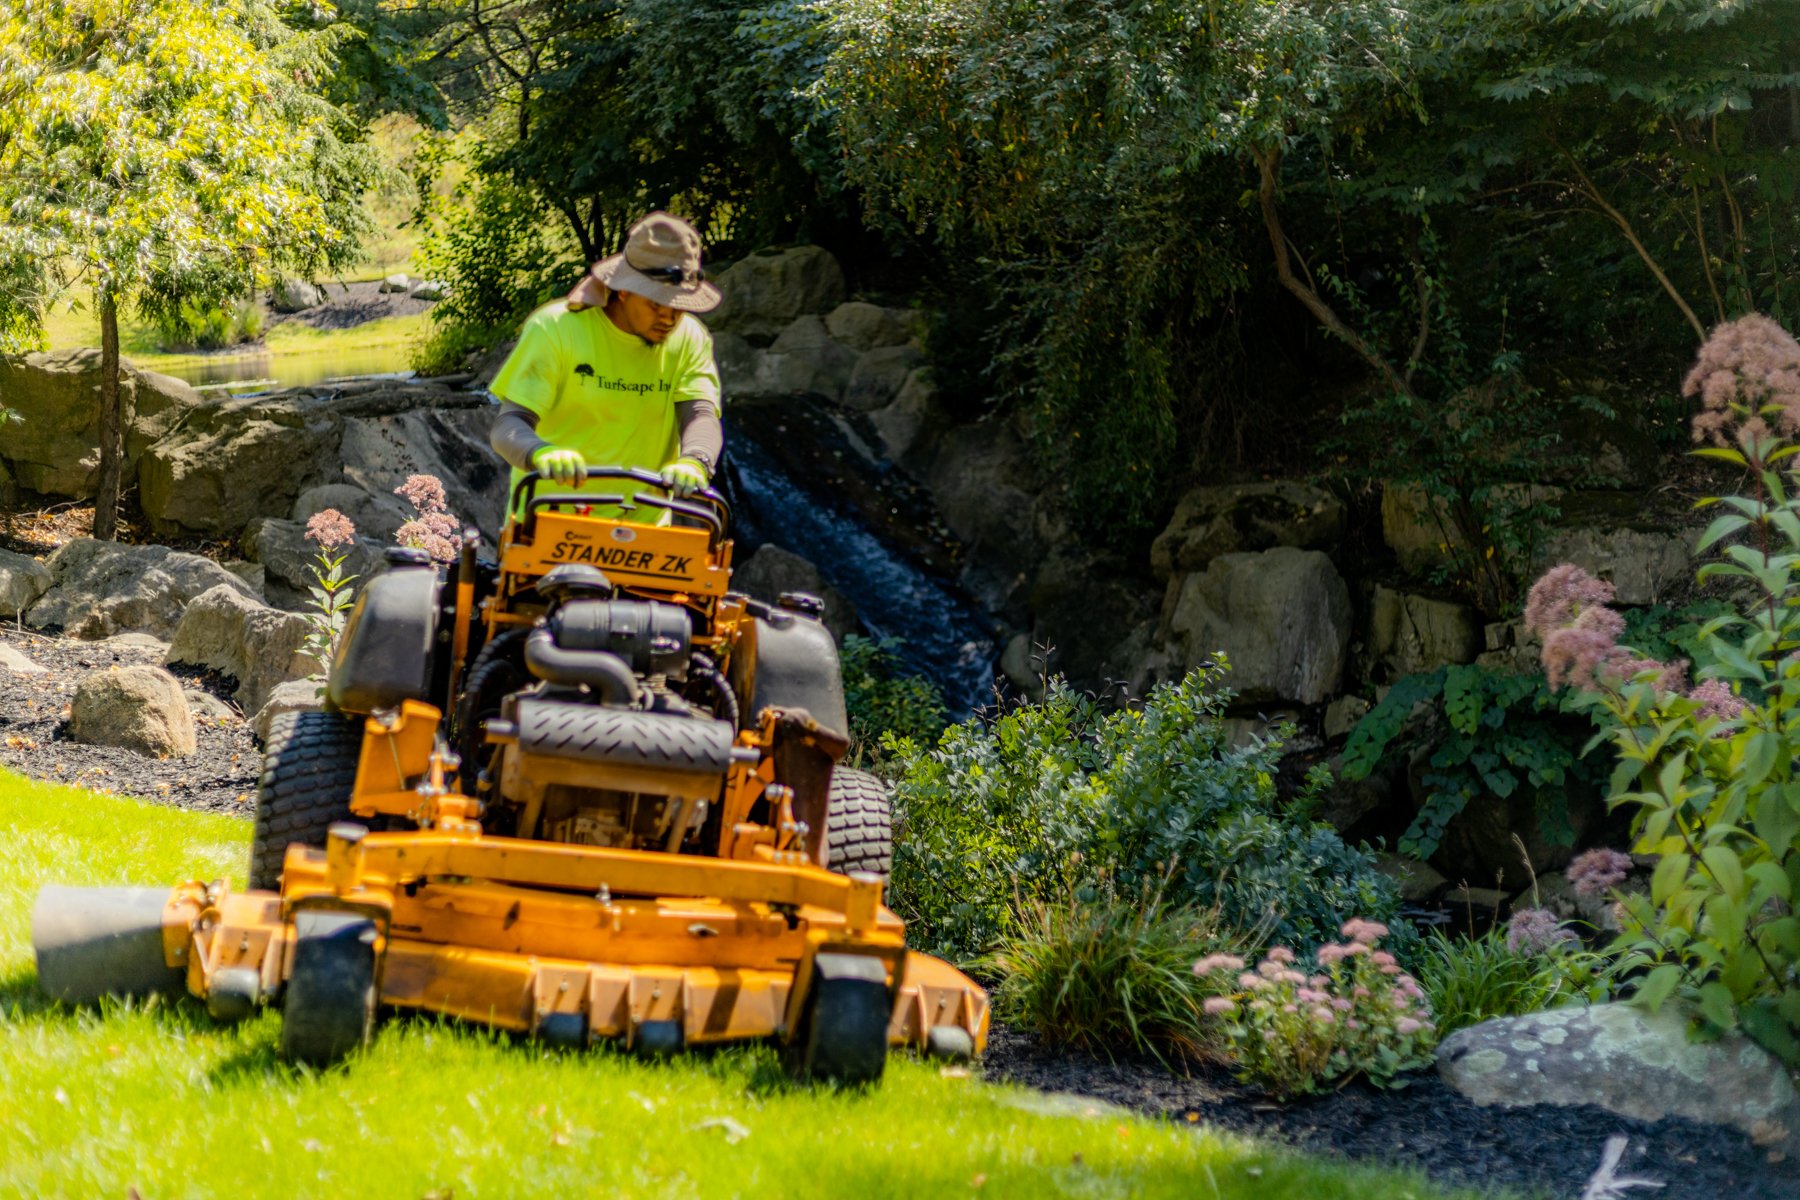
(155, 1097)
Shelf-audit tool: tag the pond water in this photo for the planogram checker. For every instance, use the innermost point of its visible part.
(294, 368)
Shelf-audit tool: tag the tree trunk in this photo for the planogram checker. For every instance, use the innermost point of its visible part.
(112, 441)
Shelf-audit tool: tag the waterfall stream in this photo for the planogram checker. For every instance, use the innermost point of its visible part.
(944, 635)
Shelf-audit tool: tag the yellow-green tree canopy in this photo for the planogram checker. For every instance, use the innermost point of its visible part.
(160, 150)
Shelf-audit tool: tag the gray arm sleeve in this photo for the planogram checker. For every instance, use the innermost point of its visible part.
(702, 436)
(514, 436)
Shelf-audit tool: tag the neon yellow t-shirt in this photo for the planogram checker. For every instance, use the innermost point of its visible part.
(605, 393)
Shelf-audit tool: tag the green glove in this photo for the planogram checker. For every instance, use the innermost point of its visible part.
(684, 476)
(566, 467)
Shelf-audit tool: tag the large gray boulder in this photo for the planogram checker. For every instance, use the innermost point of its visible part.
(1234, 518)
(879, 375)
(54, 450)
(240, 459)
(377, 453)
(764, 292)
(772, 570)
(257, 645)
(234, 460)
(292, 295)
(984, 483)
(905, 426)
(1410, 633)
(22, 580)
(288, 559)
(862, 326)
(137, 708)
(1644, 566)
(1282, 616)
(98, 589)
(803, 359)
(1628, 1061)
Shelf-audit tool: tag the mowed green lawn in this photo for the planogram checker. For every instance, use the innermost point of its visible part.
(155, 1098)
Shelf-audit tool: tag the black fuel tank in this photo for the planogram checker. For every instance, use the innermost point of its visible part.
(384, 656)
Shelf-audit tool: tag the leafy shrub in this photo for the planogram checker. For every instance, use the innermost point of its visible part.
(1048, 799)
(1292, 1033)
(1494, 733)
(500, 252)
(884, 701)
(1709, 768)
(192, 326)
(1109, 974)
(1470, 980)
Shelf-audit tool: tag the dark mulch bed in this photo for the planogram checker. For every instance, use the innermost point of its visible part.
(220, 776)
(1545, 1150)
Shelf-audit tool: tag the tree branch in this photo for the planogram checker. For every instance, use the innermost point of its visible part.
(1618, 218)
(1268, 163)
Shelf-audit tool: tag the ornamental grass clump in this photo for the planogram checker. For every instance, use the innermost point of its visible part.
(1710, 768)
(1110, 974)
(1534, 964)
(1291, 1032)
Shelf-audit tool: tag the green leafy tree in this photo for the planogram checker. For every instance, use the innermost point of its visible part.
(161, 151)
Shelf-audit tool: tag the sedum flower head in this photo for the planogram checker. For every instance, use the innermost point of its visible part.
(1744, 367)
(330, 528)
(425, 493)
(1594, 871)
(1536, 931)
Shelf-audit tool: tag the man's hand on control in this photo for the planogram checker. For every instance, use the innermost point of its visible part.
(684, 476)
(566, 467)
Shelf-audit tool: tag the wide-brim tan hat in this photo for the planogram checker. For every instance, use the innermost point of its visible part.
(661, 262)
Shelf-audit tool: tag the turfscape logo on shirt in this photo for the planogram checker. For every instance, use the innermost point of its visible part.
(612, 384)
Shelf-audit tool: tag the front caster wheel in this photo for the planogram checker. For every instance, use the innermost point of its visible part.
(329, 1004)
(843, 1029)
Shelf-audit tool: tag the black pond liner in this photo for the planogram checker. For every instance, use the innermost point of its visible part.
(1543, 1150)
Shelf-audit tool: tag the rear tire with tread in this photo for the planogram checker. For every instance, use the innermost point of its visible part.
(859, 824)
(309, 773)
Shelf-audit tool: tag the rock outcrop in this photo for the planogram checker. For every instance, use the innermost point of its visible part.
(765, 291)
(259, 646)
(54, 448)
(22, 580)
(1235, 518)
(1281, 616)
(98, 589)
(772, 570)
(1629, 1061)
(137, 708)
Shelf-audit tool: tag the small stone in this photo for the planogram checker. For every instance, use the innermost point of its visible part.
(397, 282)
(16, 662)
(206, 706)
(136, 708)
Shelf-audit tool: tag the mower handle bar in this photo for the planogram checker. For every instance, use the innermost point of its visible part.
(715, 512)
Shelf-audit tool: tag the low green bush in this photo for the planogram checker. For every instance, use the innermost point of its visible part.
(191, 326)
(1471, 980)
(1109, 975)
(1045, 800)
(1491, 733)
(885, 701)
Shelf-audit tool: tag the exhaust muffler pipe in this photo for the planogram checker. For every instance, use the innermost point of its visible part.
(98, 941)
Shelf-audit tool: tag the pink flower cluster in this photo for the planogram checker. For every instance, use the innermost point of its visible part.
(434, 529)
(1537, 931)
(1567, 609)
(1293, 1032)
(330, 528)
(1594, 871)
(1747, 373)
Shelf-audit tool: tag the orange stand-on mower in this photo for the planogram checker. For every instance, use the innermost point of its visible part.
(588, 792)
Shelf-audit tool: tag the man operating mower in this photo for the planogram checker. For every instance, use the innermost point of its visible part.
(616, 373)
